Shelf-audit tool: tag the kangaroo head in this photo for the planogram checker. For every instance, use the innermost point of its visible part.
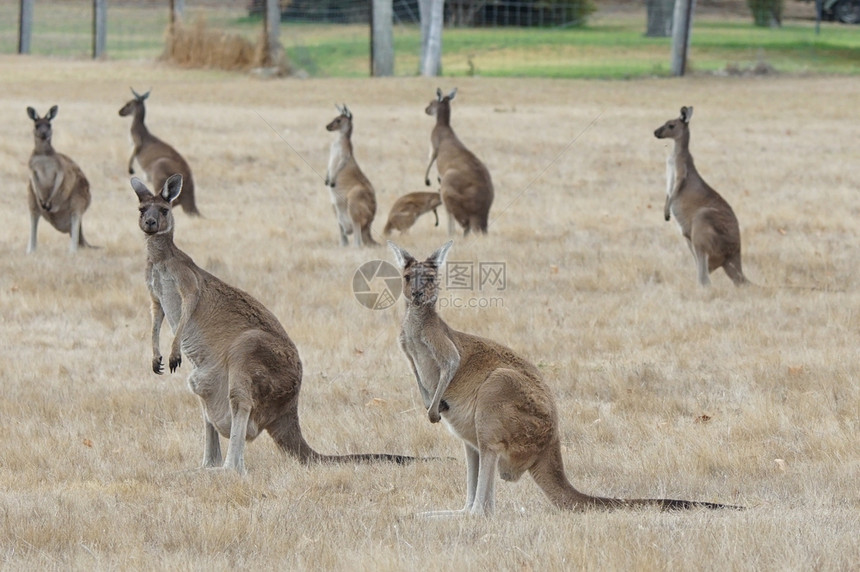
(674, 128)
(42, 125)
(442, 102)
(342, 122)
(134, 104)
(156, 213)
(421, 279)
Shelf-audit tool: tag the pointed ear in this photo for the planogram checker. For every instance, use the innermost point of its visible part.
(172, 188)
(52, 113)
(339, 108)
(686, 114)
(452, 94)
(439, 94)
(440, 256)
(140, 189)
(347, 112)
(134, 93)
(31, 113)
(402, 257)
(145, 95)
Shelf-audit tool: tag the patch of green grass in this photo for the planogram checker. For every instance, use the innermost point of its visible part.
(611, 46)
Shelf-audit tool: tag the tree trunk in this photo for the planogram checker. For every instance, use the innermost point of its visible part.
(383, 38)
(681, 33)
(431, 61)
(659, 18)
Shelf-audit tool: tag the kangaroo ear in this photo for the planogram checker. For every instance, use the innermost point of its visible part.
(172, 188)
(140, 189)
(52, 113)
(439, 94)
(686, 114)
(339, 108)
(31, 113)
(452, 94)
(440, 256)
(347, 112)
(402, 257)
(145, 95)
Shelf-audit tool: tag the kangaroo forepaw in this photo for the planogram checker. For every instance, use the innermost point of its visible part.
(434, 416)
(175, 362)
(157, 366)
(427, 181)
(47, 206)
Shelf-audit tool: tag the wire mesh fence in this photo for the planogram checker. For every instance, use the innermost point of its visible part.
(332, 37)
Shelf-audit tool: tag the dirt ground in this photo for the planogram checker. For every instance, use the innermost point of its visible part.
(745, 396)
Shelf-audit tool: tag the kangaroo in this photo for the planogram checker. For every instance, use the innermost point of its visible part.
(245, 369)
(352, 194)
(157, 159)
(492, 399)
(406, 210)
(706, 220)
(467, 189)
(57, 189)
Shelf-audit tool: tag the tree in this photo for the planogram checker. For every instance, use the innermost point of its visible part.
(432, 14)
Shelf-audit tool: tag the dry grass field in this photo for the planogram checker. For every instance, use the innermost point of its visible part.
(747, 396)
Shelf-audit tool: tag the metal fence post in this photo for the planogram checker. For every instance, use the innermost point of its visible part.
(25, 26)
(99, 28)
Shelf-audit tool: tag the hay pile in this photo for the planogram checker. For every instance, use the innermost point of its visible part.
(199, 46)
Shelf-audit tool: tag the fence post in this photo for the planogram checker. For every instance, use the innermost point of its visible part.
(99, 28)
(25, 26)
(682, 22)
(382, 38)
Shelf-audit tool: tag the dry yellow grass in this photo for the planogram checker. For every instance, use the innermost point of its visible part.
(741, 396)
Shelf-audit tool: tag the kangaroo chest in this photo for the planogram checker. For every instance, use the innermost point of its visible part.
(672, 197)
(45, 169)
(164, 288)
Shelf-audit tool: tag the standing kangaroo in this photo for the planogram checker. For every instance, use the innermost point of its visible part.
(352, 194)
(706, 220)
(157, 159)
(57, 189)
(491, 398)
(467, 189)
(245, 369)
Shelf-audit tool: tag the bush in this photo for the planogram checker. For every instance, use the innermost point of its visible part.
(766, 13)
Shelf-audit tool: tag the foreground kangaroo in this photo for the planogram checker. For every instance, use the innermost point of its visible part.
(352, 194)
(705, 218)
(245, 368)
(467, 189)
(491, 398)
(406, 210)
(58, 189)
(157, 159)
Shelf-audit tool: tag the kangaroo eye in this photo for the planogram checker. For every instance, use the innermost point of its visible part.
(407, 277)
(164, 211)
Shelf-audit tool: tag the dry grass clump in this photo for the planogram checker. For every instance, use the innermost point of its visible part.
(200, 46)
(742, 396)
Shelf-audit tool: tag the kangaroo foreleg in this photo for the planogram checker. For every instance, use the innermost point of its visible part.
(157, 319)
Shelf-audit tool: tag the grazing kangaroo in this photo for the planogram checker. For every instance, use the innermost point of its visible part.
(352, 194)
(245, 369)
(491, 398)
(157, 159)
(467, 189)
(57, 189)
(706, 220)
(406, 210)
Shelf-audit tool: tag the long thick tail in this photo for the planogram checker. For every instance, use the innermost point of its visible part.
(288, 436)
(548, 473)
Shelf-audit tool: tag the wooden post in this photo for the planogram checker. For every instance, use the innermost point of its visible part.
(382, 38)
(682, 22)
(99, 28)
(25, 26)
